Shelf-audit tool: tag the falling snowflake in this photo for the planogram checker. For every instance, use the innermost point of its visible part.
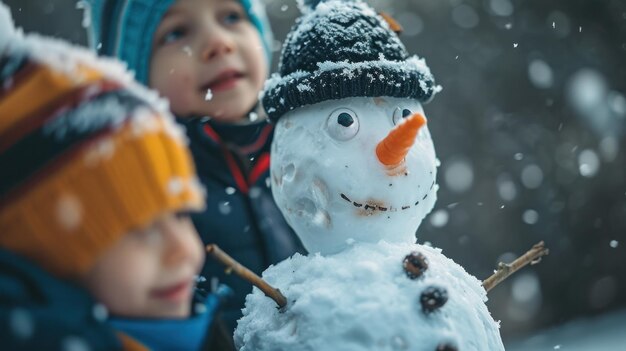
(439, 218)
(74, 343)
(21, 323)
(255, 192)
(224, 207)
(175, 186)
(69, 212)
(100, 312)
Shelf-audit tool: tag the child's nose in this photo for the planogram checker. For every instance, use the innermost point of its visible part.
(182, 244)
(216, 42)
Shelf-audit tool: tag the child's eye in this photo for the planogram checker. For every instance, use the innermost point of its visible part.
(183, 215)
(232, 17)
(150, 235)
(173, 35)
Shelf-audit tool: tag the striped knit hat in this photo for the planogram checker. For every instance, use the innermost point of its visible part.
(125, 28)
(86, 155)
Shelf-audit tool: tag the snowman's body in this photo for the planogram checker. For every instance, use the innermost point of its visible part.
(353, 171)
(362, 299)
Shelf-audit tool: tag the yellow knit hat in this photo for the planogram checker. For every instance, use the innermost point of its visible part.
(84, 159)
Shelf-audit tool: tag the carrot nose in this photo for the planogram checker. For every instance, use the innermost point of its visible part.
(392, 150)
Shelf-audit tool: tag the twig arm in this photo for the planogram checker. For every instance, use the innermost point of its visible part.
(532, 256)
(230, 263)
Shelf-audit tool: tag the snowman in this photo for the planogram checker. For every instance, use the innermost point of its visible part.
(354, 173)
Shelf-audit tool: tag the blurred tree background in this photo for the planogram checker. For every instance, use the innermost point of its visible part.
(529, 129)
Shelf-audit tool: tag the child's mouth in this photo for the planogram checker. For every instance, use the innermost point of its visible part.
(224, 81)
(179, 292)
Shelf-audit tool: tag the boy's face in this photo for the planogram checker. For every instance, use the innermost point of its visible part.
(150, 273)
(208, 45)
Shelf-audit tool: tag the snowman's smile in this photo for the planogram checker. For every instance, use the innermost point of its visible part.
(373, 205)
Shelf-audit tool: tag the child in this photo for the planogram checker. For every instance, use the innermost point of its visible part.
(95, 186)
(210, 59)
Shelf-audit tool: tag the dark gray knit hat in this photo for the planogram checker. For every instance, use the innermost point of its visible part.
(340, 49)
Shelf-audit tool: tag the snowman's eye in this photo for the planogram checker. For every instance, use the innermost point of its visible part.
(342, 124)
(400, 113)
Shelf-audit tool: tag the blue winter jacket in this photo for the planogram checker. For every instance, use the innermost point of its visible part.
(40, 312)
(241, 217)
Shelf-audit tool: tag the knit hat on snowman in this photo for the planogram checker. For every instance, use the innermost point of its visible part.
(340, 49)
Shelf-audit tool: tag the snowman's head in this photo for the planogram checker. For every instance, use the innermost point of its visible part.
(354, 170)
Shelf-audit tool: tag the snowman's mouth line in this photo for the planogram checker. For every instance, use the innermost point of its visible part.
(376, 207)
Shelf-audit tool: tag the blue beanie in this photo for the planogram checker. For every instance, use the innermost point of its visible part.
(124, 29)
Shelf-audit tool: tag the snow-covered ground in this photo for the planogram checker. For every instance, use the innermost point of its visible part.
(601, 333)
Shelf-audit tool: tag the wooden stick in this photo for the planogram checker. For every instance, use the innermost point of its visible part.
(532, 256)
(393, 24)
(245, 273)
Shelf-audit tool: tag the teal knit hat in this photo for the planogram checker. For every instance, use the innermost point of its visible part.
(124, 29)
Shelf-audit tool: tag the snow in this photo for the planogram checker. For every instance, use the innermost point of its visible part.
(100, 312)
(600, 333)
(175, 186)
(465, 16)
(7, 28)
(540, 74)
(600, 107)
(507, 189)
(107, 112)
(209, 95)
(327, 15)
(224, 208)
(255, 192)
(253, 116)
(21, 323)
(66, 59)
(530, 216)
(362, 297)
(588, 163)
(525, 287)
(87, 117)
(501, 7)
(308, 182)
(188, 50)
(102, 149)
(439, 218)
(85, 7)
(74, 343)
(459, 175)
(532, 176)
(69, 211)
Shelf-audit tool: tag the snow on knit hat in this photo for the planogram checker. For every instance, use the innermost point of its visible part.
(341, 49)
(86, 154)
(125, 29)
